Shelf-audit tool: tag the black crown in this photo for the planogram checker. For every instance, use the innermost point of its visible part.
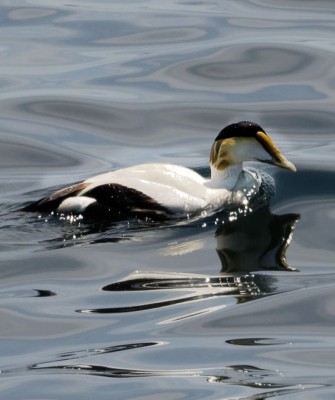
(240, 129)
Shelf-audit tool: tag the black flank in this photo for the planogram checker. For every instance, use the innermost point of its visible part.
(118, 201)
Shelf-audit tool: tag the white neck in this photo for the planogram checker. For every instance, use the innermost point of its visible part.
(225, 179)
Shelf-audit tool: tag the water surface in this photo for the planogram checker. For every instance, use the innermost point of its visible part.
(88, 87)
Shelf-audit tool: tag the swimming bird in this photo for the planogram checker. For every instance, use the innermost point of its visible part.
(162, 191)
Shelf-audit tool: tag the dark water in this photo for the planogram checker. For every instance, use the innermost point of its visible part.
(91, 86)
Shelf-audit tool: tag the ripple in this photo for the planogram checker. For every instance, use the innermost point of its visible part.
(29, 154)
(26, 293)
(156, 37)
(91, 86)
(255, 342)
(243, 62)
(268, 382)
(272, 382)
(24, 14)
(242, 287)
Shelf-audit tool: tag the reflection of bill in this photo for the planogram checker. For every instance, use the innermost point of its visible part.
(255, 241)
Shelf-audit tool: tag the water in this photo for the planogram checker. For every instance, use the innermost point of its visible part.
(88, 87)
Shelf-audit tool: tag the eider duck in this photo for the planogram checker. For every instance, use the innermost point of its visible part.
(162, 191)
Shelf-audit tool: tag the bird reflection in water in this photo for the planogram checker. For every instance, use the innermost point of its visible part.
(256, 241)
(253, 242)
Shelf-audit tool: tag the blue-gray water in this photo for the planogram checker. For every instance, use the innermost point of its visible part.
(88, 87)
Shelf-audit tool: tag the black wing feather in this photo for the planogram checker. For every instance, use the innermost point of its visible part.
(112, 201)
(50, 203)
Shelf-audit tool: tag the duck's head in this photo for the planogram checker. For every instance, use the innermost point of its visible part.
(245, 141)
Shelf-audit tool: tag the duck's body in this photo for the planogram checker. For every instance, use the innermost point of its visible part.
(165, 190)
(177, 189)
(155, 190)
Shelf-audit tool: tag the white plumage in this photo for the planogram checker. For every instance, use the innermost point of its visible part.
(166, 190)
